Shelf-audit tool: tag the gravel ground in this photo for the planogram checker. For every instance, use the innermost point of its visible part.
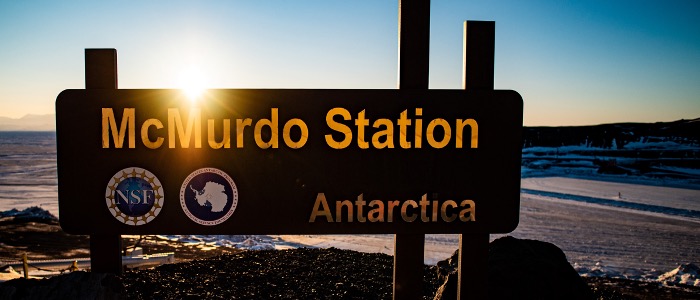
(331, 273)
(303, 273)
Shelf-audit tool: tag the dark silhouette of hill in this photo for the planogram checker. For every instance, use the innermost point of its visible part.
(654, 150)
(614, 136)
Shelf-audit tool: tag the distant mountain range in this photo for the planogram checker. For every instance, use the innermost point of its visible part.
(615, 136)
(29, 123)
(667, 150)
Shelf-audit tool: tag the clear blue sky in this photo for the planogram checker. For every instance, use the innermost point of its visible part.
(574, 62)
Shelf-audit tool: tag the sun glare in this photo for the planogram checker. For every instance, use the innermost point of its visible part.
(193, 84)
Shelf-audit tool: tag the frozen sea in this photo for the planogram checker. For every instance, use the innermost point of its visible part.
(619, 226)
(28, 170)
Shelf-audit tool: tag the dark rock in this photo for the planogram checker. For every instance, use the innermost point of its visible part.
(76, 285)
(613, 136)
(528, 269)
(448, 290)
(448, 266)
(522, 269)
(30, 214)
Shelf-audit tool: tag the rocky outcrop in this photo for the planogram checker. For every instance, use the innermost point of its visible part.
(30, 214)
(521, 269)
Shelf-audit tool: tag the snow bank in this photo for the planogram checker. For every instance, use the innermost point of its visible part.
(688, 274)
(208, 242)
(658, 145)
(602, 270)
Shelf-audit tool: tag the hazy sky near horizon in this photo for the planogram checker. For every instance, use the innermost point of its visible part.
(574, 62)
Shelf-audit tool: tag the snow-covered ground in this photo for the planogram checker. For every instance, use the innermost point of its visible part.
(615, 241)
(678, 198)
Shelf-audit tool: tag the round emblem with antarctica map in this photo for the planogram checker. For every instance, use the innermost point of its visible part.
(134, 196)
(208, 196)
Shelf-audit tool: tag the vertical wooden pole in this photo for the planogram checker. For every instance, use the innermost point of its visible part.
(414, 42)
(25, 266)
(479, 45)
(101, 73)
(478, 55)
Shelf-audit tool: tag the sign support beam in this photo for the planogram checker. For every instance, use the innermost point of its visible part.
(414, 42)
(478, 65)
(101, 73)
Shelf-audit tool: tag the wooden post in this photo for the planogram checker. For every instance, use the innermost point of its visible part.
(101, 73)
(25, 266)
(414, 41)
(478, 55)
(414, 44)
(479, 45)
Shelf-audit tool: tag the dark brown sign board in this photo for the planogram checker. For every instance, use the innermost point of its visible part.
(270, 161)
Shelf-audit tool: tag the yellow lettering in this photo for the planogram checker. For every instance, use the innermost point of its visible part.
(443, 211)
(360, 203)
(240, 125)
(404, 211)
(185, 135)
(339, 127)
(467, 214)
(226, 135)
(403, 123)
(435, 211)
(418, 140)
(430, 133)
(339, 210)
(377, 213)
(110, 122)
(144, 133)
(387, 133)
(390, 210)
(321, 201)
(288, 138)
(274, 140)
(424, 208)
(361, 122)
(474, 129)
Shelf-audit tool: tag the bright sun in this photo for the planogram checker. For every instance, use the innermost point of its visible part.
(193, 83)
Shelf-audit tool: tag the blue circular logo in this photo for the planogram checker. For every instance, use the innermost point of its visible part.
(134, 196)
(208, 196)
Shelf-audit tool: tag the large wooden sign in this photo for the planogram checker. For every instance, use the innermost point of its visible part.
(288, 161)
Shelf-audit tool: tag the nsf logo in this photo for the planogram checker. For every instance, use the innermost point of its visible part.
(208, 196)
(134, 196)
